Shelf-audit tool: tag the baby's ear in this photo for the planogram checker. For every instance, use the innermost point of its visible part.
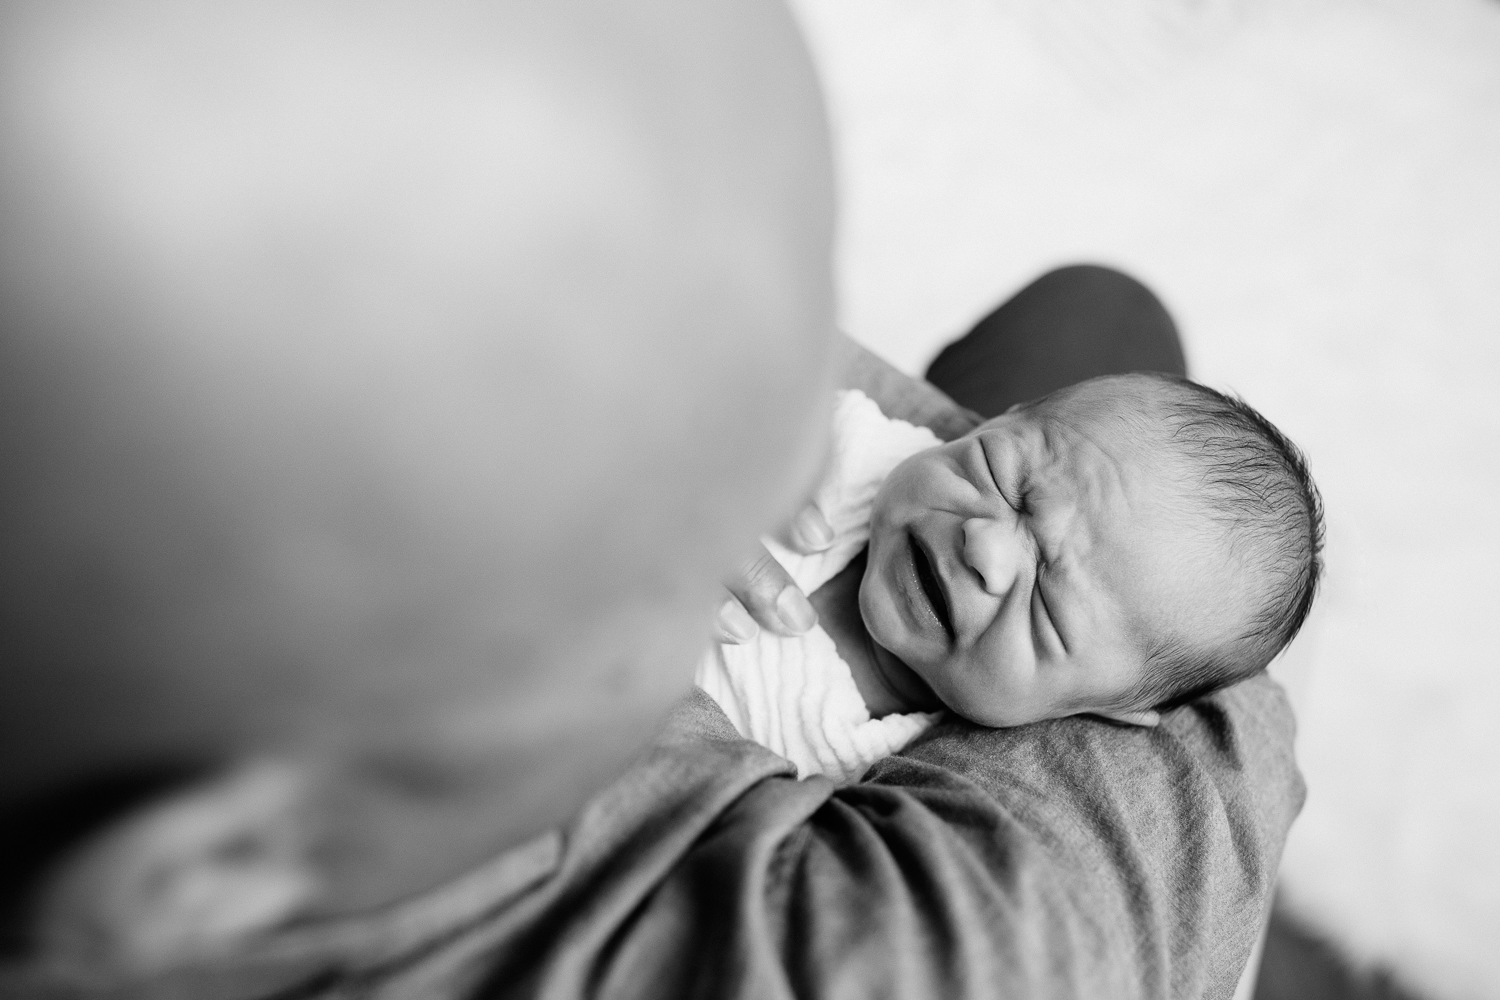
(1148, 718)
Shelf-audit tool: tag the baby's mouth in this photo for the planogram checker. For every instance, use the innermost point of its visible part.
(932, 587)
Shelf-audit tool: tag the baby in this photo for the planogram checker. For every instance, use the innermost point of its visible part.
(1117, 548)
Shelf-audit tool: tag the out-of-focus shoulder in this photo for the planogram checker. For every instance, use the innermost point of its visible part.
(902, 396)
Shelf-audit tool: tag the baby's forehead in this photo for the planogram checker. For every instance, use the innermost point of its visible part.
(1121, 419)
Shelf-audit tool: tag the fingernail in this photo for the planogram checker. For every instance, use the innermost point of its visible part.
(736, 622)
(794, 609)
(811, 530)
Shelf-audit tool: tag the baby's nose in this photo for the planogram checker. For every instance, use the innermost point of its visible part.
(994, 551)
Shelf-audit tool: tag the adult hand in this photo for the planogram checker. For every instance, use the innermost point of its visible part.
(763, 595)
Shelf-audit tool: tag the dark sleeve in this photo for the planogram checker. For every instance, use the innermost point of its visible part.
(1068, 859)
(911, 399)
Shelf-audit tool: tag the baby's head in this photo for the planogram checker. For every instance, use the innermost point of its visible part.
(1118, 547)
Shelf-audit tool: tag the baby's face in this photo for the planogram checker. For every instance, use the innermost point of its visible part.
(1025, 571)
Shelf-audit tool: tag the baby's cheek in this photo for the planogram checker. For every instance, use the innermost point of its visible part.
(974, 693)
(900, 496)
(884, 513)
(1001, 680)
(881, 522)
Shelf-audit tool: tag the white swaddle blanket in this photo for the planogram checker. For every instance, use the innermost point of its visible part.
(797, 695)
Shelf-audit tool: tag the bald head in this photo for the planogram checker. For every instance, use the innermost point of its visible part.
(395, 373)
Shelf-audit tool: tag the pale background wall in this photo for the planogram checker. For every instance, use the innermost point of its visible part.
(1314, 188)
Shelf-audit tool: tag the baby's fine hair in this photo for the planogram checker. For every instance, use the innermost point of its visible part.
(1256, 485)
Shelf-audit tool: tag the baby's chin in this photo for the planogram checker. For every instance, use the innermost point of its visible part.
(898, 676)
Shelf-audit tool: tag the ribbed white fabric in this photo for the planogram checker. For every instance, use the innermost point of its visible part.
(797, 696)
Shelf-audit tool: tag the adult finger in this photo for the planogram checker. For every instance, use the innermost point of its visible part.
(735, 624)
(767, 594)
(809, 531)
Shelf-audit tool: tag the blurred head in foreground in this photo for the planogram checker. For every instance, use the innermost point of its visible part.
(391, 385)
